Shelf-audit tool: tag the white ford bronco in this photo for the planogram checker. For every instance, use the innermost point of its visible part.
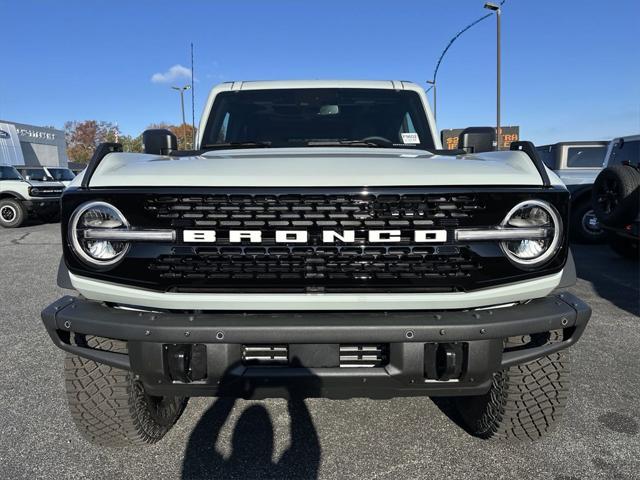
(318, 242)
(21, 199)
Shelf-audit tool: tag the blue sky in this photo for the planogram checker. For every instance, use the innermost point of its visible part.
(570, 67)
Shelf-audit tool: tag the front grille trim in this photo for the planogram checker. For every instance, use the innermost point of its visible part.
(494, 269)
(319, 266)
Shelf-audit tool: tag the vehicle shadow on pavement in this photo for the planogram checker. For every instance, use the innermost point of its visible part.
(252, 442)
(614, 278)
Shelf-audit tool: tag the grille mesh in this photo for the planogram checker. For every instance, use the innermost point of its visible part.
(335, 263)
(315, 263)
(347, 211)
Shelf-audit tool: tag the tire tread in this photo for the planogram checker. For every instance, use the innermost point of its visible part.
(107, 404)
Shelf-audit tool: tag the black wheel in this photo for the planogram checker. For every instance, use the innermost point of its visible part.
(585, 226)
(524, 402)
(624, 246)
(616, 194)
(12, 213)
(110, 407)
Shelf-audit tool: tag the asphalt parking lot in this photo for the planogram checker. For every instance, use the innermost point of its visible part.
(359, 438)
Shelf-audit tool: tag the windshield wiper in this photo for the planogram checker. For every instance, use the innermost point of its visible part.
(342, 143)
(213, 146)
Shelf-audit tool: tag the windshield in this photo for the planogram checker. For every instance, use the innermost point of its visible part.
(35, 174)
(318, 117)
(61, 174)
(9, 173)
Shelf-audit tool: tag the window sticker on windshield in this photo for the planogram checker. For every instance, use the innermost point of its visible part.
(410, 138)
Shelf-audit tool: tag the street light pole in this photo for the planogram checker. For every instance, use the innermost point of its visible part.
(496, 8)
(446, 49)
(433, 82)
(182, 90)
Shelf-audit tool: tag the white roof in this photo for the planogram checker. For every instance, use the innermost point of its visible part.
(275, 84)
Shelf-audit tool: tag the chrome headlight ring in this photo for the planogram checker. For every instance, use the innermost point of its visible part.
(547, 247)
(82, 247)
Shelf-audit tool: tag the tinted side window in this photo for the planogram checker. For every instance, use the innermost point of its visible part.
(547, 156)
(584, 157)
(628, 152)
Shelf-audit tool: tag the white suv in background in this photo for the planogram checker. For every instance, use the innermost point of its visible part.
(20, 199)
(60, 174)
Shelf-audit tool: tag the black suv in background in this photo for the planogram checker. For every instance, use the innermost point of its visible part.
(616, 196)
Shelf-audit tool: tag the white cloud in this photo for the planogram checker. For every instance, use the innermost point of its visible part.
(177, 72)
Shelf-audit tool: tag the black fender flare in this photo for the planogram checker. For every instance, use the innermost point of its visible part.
(11, 194)
(569, 277)
(63, 279)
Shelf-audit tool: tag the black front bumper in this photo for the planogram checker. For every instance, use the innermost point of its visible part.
(468, 345)
(42, 204)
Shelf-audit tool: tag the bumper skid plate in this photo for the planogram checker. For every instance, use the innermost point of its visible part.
(274, 354)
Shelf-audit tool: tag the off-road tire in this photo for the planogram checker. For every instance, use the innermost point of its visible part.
(110, 407)
(12, 213)
(524, 403)
(580, 232)
(616, 195)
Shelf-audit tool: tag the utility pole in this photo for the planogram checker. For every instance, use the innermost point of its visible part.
(433, 82)
(184, 130)
(193, 104)
(496, 8)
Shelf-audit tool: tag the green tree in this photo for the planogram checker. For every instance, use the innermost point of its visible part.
(129, 143)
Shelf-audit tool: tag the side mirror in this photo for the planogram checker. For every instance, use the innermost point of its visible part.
(159, 141)
(28, 177)
(477, 139)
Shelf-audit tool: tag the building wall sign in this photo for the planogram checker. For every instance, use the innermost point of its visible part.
(39, 145)
(33, 134)
(36, 134)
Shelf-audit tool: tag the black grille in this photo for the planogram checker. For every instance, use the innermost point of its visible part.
(325, 211)
(406, 265)
(314, 263)
(46, 192)
(318, 263)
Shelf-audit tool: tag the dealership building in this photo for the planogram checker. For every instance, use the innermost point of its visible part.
(30, 145)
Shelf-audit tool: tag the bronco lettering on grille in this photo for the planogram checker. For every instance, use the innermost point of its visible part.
(302, 236)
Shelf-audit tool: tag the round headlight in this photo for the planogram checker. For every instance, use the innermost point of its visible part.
(533, 214)
(94, 217)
